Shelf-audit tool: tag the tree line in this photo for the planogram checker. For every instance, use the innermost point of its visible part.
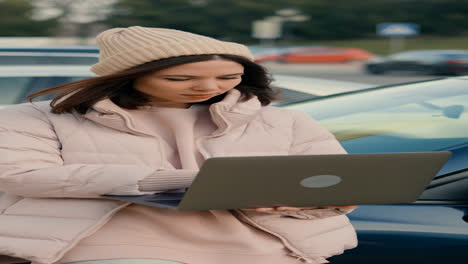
(232, 19)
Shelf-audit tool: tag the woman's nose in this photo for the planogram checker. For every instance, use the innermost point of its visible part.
(207, 85)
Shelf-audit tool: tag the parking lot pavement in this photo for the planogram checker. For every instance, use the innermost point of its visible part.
(352, 72)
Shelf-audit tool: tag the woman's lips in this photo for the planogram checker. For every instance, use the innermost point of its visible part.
(199, 95)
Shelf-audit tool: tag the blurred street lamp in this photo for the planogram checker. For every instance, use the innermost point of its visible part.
(273, 27)
(266, 31)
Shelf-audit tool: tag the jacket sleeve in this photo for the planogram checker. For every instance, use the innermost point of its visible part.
(164, 180)
(31, 164)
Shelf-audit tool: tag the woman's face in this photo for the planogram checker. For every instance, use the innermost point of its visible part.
(190, 83)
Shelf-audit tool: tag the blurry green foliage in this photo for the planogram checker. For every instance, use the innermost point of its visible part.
(225, 19)
(16, 20)
(337, 19)
(232, 19)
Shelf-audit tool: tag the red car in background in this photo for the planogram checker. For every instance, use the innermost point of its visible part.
(318, 55)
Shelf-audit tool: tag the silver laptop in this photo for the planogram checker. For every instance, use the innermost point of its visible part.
(302, 181)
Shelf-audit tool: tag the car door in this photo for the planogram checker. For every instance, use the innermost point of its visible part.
(422, 116)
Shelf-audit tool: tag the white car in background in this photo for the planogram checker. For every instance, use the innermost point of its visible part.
(16, 82)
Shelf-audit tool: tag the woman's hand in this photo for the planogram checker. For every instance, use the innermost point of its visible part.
(287, 208)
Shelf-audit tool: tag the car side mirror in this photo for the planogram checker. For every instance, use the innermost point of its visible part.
(453, 111)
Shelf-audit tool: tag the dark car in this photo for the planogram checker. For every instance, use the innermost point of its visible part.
(421, 116)
(437, 62)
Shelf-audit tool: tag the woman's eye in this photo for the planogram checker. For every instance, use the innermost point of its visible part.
(228, 78)
(176, 80)
(186, 79)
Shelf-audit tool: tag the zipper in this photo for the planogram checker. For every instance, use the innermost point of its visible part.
(223, 126)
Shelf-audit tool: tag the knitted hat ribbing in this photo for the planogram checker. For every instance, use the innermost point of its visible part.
(124, 48)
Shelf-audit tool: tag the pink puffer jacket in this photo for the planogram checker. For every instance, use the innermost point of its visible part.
(47, 161)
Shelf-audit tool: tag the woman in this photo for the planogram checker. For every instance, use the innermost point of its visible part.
(165, 101)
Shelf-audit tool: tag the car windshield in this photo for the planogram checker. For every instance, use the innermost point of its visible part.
(426, 116)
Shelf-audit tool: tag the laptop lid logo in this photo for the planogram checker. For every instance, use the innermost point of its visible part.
(320, 181)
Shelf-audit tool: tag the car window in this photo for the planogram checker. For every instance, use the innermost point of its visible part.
(413, 55)
(15, 89)
(12, 88)
(422, 117)
(400, 56)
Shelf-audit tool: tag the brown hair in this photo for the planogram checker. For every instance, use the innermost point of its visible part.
(118, 87)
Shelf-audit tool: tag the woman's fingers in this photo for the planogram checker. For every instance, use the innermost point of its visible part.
(264, 209)
(289, 208)
(260, 209)
(341, 206)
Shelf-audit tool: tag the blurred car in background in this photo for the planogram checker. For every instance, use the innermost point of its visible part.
(318, 54)
(412, 117)
(55, 55)
(16, 82)
(437, 62)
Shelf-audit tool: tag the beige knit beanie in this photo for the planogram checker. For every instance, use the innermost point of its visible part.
(124, 48)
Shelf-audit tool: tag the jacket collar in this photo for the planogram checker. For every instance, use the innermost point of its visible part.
(227, 114)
